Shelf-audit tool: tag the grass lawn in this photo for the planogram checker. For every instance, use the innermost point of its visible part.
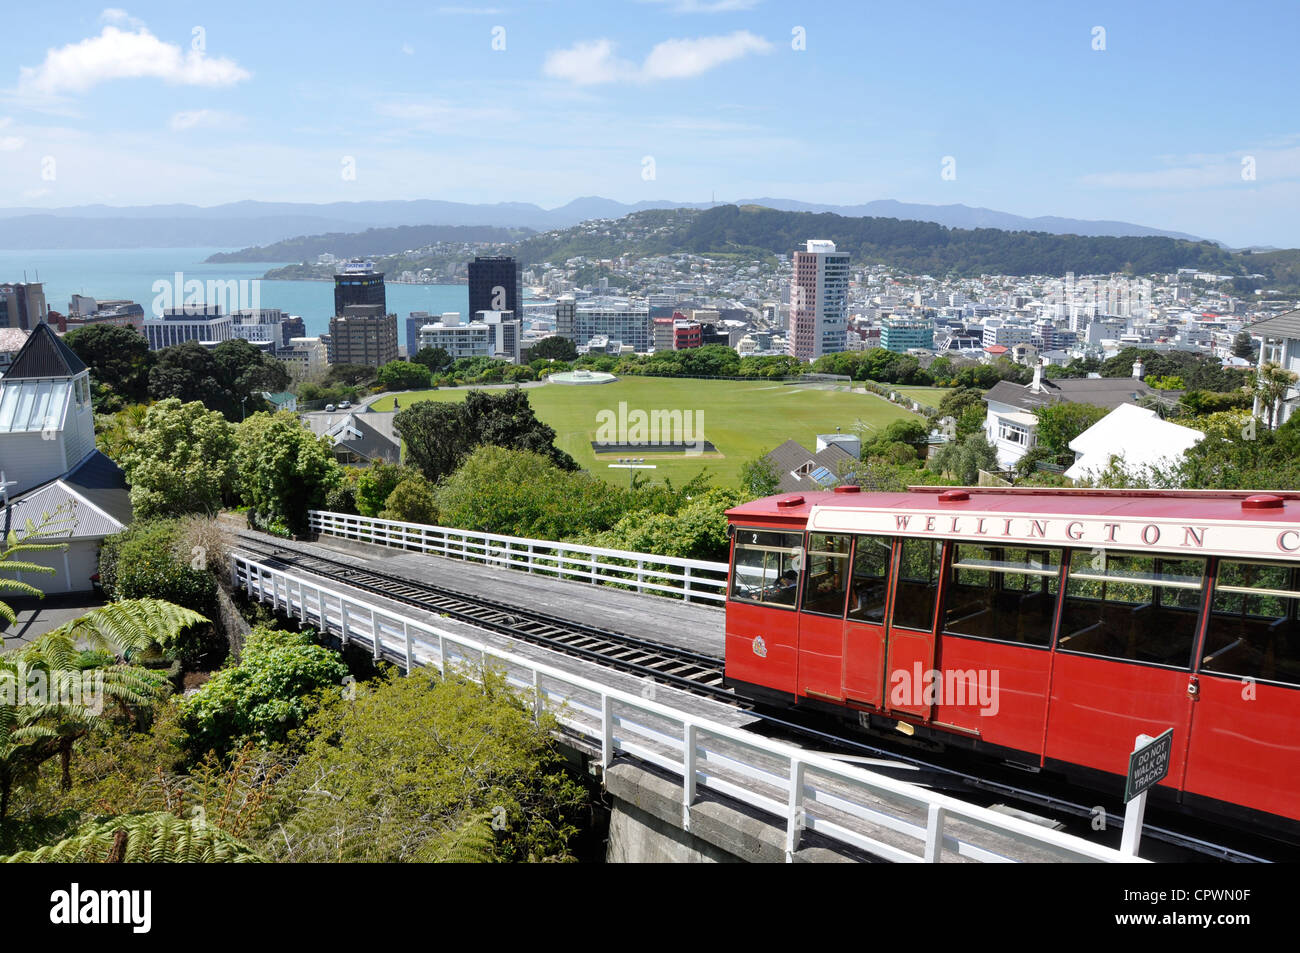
(741, 419)
(929, 396)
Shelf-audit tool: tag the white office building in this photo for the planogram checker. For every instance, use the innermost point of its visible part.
(207, 325)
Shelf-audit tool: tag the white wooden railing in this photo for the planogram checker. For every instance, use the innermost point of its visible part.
(689, 579)
(810, 792)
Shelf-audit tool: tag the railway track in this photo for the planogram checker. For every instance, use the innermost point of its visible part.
(693, 672)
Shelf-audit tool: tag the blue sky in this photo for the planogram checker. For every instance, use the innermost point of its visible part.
(546, 101)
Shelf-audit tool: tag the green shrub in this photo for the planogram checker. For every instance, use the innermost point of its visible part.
(271, 692)
(141, 563)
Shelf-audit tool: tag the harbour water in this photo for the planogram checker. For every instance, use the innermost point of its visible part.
(131, 272)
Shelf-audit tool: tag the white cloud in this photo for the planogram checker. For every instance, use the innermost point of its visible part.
(408, 49)
(592, 62)
(118, 15)
(199, 118)
(679, 59)
(121, 54)
(588, 63)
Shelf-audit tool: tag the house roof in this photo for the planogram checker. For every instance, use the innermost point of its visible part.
(791, 457)
(356, 434)
(93, 496)
(1285, 325)
(1108, 392)
(1134, 434)
(44, 355)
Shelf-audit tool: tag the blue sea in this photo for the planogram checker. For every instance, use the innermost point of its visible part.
(130, 273)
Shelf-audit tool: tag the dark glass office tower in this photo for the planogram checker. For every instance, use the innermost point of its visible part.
(486, 274)
(358, 283)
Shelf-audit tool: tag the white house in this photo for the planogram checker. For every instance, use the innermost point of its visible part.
(1279, 344)
(1012, 422)
(1135, 435)
(49, 464)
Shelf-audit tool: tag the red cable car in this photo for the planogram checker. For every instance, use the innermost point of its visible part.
(1045, 627)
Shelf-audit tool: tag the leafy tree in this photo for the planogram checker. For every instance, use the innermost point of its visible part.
(758, 477)
(439, 435)
(189, 373)
(284, 469)
(119, 360)
(404, 375)
(521, 493)
(420, 768)
(436, 359)
(1061, 422)
(1243, 346)
(411, 501)
(269, 693)
(180, 460)
(352, 375)
(964, 458)
(552, 348)
(698, 530)
(375, 483)
(248, 372)
(229, 378)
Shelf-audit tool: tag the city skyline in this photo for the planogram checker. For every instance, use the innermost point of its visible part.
(1138, 116)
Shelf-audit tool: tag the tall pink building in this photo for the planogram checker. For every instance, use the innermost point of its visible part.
(819, 302)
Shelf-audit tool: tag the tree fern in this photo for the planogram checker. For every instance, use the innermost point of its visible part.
(472, 842)
(153, 838)
(128, 627)
(51, 524)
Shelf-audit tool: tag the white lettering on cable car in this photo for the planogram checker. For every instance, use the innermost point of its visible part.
(1257, 538)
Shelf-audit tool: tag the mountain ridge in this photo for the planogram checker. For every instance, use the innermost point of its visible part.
(251, 222)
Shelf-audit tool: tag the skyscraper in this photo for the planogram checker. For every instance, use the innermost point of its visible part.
(819, 301)
(24, 304)
(496, 284)
(358, 283)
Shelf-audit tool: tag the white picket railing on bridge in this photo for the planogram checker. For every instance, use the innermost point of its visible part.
(689, 579)
(840, 801)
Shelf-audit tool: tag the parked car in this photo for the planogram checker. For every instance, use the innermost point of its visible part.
(344, 405)
(329, 408)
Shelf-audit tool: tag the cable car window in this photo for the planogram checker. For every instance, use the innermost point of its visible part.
(918, 584)
(1132, 606)
(1002, 593)
(1254, 629)
(828, 574)
(870, 579)
(765, 568)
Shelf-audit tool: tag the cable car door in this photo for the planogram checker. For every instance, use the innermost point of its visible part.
(864, 622)
(909, 654)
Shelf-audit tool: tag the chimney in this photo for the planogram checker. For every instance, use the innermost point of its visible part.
(1037, 384)
(1137, 369)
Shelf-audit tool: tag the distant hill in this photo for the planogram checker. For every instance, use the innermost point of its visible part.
(371, 242)
(911, 246)
(248, 223)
